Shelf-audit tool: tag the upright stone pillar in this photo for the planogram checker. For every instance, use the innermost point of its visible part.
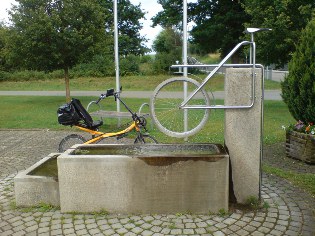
(243, 131)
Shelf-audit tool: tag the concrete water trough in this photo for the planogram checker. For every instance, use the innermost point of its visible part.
(157, 178)
(38, 184)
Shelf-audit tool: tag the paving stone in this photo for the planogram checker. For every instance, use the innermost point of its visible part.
(91, 226)
(181, 225)
(218, 233)
(165, 231)
(121, 231)
(30, 223)
(242, 232)
(257, 233)
(275, 232)
(157, 222)
(229, 221)
(176, 231)
(156, 229)
(56, 232)
(268, 225)
(146, 226)
(190, 226)
(17, 223)
(234, 227)
(263, 230)
(250, 228)
(104, 227)
(7, 233)
(157, 234)
(113, 221)
(125, 221)
(188, 231)
(137, 230)
(241, 223)
(220, 225)
(109, 232)
(19, 233)
(69, 232)
(130, 234)
(200, 231)
(79, 226)
(147, 233)
(18, 228)
(148, 218)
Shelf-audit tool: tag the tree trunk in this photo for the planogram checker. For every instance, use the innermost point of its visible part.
(67, 83)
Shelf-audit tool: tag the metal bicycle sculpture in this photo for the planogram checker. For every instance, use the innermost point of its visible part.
(170, 110)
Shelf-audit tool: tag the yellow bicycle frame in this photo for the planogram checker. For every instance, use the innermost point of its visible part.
(101, 135)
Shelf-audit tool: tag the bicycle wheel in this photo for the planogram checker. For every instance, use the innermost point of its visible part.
(166, 112)
(145, 139)
(69, 141)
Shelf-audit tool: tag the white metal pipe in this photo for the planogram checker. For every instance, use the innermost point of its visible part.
(116, 51)
(185, 45)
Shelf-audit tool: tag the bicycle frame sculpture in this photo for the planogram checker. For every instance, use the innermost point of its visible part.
(163, 111)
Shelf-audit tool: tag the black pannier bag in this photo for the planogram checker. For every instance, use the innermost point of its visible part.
(67, 114)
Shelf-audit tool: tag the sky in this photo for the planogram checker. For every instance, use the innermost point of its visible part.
(151, 7)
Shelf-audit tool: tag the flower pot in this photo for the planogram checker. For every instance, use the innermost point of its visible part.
(300, 146)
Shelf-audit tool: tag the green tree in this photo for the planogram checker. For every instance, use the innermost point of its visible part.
(3, 36)
(55, 34)
(130, 40)
(171, 16)
(287, 18)
(298, 88)
(168, 47)
(219, 25)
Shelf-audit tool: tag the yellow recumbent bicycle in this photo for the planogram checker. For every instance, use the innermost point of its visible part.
(74, 114)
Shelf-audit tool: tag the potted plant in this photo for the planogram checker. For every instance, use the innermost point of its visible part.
(300, 142)
(298, 92)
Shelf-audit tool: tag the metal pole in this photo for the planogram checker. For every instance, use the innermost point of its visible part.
(185, 44)
(116, 51)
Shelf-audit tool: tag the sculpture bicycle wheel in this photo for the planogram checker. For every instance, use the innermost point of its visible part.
(166, 109)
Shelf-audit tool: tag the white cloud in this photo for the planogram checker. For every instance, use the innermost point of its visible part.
(151, 8)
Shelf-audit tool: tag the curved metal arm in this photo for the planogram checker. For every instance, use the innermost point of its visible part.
(224, 60)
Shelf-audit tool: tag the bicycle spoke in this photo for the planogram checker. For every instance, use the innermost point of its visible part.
(166, 111)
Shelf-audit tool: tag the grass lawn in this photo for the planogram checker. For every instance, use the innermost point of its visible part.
(131, 83)
(27, 112)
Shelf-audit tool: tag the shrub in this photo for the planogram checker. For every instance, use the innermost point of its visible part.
(4, 75)
(298, 88)
(129, 65)
(146, 59)
(30, 75)
(98, 66)
(163, 61)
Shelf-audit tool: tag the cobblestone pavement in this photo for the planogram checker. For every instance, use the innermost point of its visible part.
(287, 210)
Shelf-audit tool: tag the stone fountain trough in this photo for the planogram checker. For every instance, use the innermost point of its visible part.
(152, 178)
(162, 178)
(38, 184)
